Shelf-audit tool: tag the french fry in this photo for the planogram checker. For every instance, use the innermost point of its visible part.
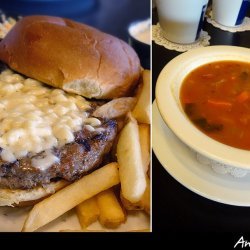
(129, 205)
(142, 108)
(146, 199)
(115, 108)
(144, 133)
(87, 212)
(111, 213)
(143, 204)
(70, 196)
(131, 171)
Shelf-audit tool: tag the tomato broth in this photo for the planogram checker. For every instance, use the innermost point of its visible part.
(216, 98)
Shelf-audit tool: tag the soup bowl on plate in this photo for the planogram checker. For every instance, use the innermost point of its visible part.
(169, 94)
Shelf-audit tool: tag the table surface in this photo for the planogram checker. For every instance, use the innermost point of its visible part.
(179, 209)
(110, 16)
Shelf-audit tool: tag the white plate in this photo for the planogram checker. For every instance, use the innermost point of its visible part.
(181, 163)
(12, 219)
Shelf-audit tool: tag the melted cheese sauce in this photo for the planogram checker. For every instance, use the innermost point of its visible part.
(35, 118)
(45, 161)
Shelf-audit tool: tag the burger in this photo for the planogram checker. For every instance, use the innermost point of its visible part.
(56, 77)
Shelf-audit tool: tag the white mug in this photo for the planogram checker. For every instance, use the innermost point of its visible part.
(181, 20)
(229, 12)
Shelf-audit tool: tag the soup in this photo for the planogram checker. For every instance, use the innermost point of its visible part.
(216, 98)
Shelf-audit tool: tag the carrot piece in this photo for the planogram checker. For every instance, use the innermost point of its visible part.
(219, 104)
(187, 100)
(208, 76)
(242, 97)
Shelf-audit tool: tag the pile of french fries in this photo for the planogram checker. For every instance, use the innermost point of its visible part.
(108, 193)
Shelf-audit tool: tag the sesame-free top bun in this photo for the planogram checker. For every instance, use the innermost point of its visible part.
(72, 56)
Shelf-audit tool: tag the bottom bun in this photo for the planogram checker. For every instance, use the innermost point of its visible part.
(28, 197)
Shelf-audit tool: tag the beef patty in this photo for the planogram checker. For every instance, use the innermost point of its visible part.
(85, 154)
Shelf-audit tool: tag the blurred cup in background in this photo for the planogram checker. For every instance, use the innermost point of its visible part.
(229, 12)
(181, 20)
(140, 39)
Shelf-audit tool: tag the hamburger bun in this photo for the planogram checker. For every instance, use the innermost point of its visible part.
(72, 56)
(28, 197)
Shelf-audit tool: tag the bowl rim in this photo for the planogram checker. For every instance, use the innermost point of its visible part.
(171, 112)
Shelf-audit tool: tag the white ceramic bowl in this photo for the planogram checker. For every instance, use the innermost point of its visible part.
(167, 96)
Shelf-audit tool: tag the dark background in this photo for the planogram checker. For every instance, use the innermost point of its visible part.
(111, 16)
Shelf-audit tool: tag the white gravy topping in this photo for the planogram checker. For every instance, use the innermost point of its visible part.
(35, 118)
(45, 161)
